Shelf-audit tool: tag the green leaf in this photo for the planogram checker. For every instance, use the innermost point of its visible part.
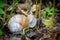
(48, 23)
(1, 18)
(50, 13)
(1, 11)
(43, 14)
(52, 9)
(1, 33)
(42, 17)
(2, 3)
(47, 10)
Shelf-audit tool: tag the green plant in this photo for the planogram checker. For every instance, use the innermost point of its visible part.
(48, 16)
(2, 4)
(1, 33)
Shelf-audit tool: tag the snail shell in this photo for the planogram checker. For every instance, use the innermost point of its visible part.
(15, 27)
(17, 23)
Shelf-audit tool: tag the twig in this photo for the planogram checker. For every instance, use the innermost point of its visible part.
(25, 13)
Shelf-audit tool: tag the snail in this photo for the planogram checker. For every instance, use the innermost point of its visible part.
(17, 23)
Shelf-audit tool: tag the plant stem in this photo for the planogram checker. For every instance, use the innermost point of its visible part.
(36, 9)
(40, 8)
(53, 10)
(53, 14)
(4, 15)
(39, 11)
(13, 5)
(4, 19)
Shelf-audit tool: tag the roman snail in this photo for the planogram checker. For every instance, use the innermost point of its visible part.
(19, 22)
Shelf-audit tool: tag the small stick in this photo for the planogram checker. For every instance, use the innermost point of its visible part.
(25, 13)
